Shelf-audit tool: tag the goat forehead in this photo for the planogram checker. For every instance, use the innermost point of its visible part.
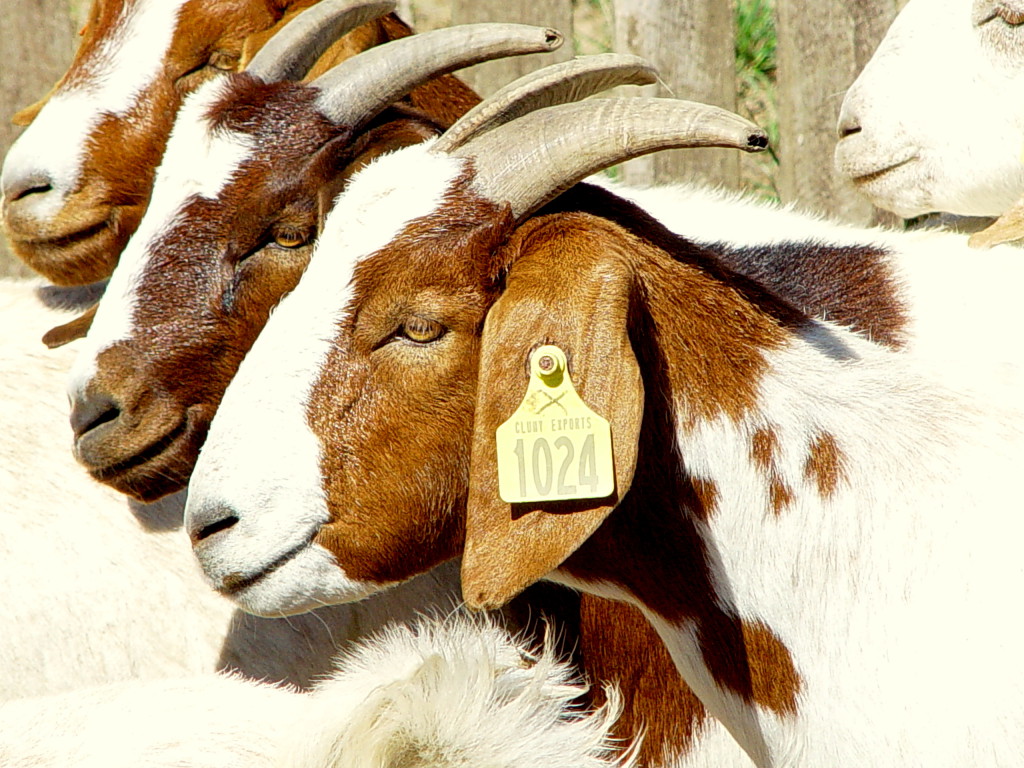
(279, 372)
(128, 55)
(198, 163)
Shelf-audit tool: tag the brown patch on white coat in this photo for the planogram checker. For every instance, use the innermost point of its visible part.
(375, 415)
(397, 395)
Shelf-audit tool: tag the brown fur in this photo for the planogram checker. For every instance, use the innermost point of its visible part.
(763, 452)
(825, 464)
(214, 280)
(618, 645)
(850, 285)
(209, 291)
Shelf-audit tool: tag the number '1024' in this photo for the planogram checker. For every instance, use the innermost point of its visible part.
(556, 471)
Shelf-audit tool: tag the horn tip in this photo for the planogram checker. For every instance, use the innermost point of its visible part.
(553, 38)
(756, 141)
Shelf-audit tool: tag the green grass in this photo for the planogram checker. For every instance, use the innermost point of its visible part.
(755, 82)
(755, 40)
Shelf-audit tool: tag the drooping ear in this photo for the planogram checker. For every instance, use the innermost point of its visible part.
(1008, 228)
(569, 289)
(68, 332)
(254, 42)
(25, 116)
(341, 158)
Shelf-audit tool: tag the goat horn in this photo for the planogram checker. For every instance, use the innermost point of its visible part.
(290, 53)
(558, 84)
(529, 161)
(359, 88)
(68, 332)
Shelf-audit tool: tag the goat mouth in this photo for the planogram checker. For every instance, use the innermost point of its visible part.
(63, 239)
(863, 179)
(235, 583)
(161, 467)
(70, 256)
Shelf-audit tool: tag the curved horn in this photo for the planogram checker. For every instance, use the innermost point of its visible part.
(290, 53)
(531, 160)
(558, 84)
(359, 88)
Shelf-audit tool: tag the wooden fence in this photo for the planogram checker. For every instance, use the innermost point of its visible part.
(821, 45)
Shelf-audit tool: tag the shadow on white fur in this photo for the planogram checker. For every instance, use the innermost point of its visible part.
(445, 694)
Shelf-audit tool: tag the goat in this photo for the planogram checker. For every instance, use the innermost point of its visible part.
(445, 694)
(821, 526)
(935, 121)
(98, 589)
(236, 205)
(60, 646)
(164, 329)
(77, 181)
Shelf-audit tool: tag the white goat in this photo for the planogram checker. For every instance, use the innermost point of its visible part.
(97, 588)
(935, 122)
(822, 527)
(448, 694)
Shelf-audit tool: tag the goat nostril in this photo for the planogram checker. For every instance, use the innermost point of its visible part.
(35, 184)
(216, 527)
(89, 414)
(848, 126)
(42, 189)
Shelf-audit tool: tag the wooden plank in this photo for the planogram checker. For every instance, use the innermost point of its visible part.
(489, 77)
(822, 46)
(692, 44)
(37, 41)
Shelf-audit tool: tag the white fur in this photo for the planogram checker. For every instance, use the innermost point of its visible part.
(97, 588)
(945, 93)
(895, 595)
(447, 695)
(128, 61)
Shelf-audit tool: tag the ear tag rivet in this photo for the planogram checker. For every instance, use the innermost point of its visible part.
(553, 447)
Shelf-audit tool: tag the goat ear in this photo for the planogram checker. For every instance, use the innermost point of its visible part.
(256, 40)
(68, 332)
(1008, 228)
(572, 291)
(25, 116)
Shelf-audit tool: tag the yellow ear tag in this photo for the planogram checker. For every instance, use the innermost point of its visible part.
(553, 447)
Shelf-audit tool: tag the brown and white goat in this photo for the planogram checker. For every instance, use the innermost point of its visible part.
(76, 183)
(822, 527)
(202, 282)
(98, 588)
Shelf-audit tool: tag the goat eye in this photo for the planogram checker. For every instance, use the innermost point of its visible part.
(290, 239)
(421, 330)
(1011, 16)
(224, 61)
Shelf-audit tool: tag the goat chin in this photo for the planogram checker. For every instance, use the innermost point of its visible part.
(449, 694)
(952, 143)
